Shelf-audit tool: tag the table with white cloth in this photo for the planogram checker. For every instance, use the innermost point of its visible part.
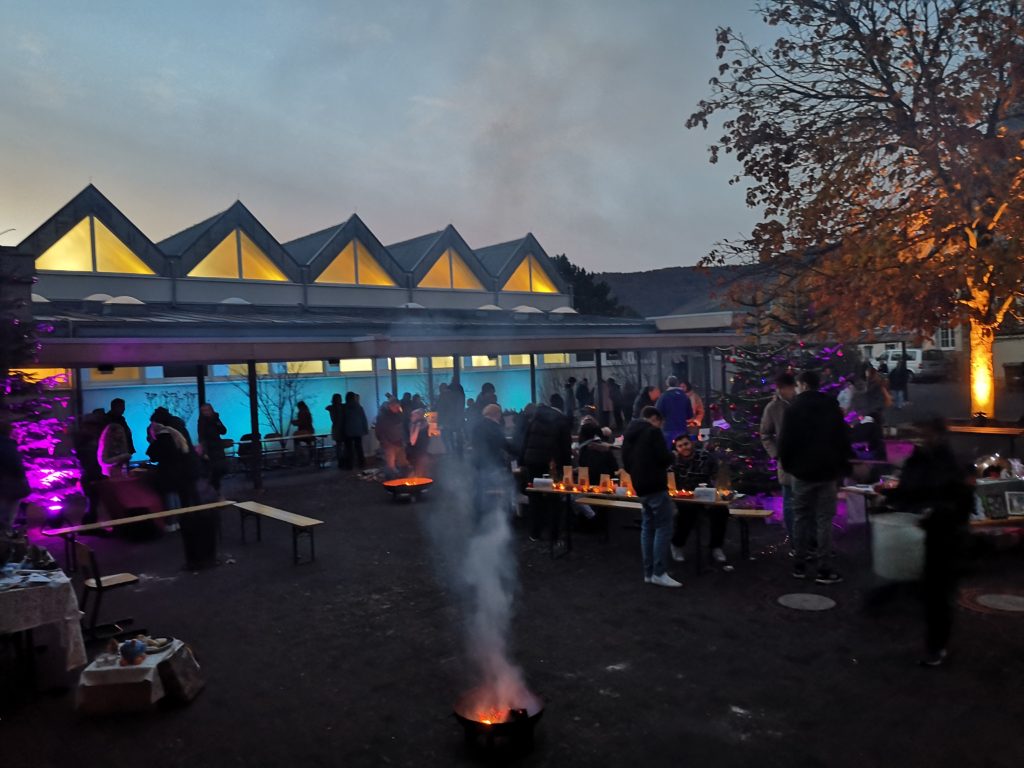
(105, 686)
(32, 599)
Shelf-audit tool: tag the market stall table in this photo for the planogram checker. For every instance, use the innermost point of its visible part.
(32, 599)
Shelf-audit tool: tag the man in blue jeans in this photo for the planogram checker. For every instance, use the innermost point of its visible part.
(814, 447)
(646, 457)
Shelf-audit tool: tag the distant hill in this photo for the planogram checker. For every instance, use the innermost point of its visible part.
(672, 290)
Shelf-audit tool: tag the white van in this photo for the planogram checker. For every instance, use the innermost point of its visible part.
(923, 364)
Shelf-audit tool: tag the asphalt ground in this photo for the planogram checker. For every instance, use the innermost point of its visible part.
(356, 659)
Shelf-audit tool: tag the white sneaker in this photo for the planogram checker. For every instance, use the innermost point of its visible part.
(647, 579)
(677, 554)
(718, 555)
(665, 581)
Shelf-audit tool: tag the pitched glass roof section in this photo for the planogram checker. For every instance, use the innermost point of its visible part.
(505, 260)
(422, 257)
(363, 260)
(259, 255)
(90, 234)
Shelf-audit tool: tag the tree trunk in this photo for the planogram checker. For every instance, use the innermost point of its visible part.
(983, 396)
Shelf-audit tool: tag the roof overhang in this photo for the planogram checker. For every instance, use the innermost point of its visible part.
(696, 322)
(91, 352)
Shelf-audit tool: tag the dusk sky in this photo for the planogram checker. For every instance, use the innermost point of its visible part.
(561, 118)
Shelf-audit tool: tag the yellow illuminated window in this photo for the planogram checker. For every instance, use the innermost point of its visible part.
(530, 277)
(222, 261)
(237, 256)
(343, 269)
(256, 265)
(520, 280)
(405, 363)
(72, 253)
(361, 365)
(369, 270)
(450, 271)
(118, 374)
(442, 362)
(483, 361)
(242, 369)
(112, 255)
(518, 359)
(539, 280)
(355, 266)
(306, 366)
(557, 359)
(61, 377)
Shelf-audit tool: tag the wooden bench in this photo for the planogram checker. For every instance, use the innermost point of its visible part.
(301, 525)
(70, 533)
(743, 515)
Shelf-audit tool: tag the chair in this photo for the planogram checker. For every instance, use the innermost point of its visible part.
(93, 581)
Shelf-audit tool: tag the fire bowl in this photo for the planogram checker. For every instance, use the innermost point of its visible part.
(407, 486)
(513, 732)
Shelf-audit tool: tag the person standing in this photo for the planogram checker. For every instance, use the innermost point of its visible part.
(648, 397)
(390, 431)
(933, 485)
(899, 380)
(210, 430)
(355, 428)
(647, 459)
(676, 411)
(583, 395)
(814, 447)
(570, 397)
(696, 405)
(116, 414)
(336, 410)
(771, 427)
(86, 443)
(419, 442)
(546, 449)
(492, 453)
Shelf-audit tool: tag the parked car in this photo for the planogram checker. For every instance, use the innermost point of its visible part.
(923, 364)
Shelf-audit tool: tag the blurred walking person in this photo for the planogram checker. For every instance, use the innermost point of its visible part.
(771, 427)
(211, 430)
(933, 485)
(546, 449)
(676, 411)
(336, 410)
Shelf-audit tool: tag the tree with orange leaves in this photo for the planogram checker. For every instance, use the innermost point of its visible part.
(883, 142)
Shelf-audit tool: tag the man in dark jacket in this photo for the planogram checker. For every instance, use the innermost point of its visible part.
(546, 449)
(646, 457)
(814, 447)
(492, 453)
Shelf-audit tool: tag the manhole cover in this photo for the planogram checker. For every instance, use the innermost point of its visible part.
(805, 601)
(1013, 603)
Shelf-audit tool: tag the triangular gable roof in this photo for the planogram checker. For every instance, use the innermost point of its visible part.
(418, 255)
(192, 245)
(502, 259)
(90, 201)
(319, 249)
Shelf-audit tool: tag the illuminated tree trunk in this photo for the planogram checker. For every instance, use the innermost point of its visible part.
(983, 398)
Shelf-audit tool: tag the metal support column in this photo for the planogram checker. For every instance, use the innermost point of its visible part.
(661, 372)
(707, 372)
(376, 380)
(201, 383)
(599, 388)
(394, 378)
(254, 428)
(533, 378)
(639, 371)
(78, 401)
(456, 370)
(430, 383)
